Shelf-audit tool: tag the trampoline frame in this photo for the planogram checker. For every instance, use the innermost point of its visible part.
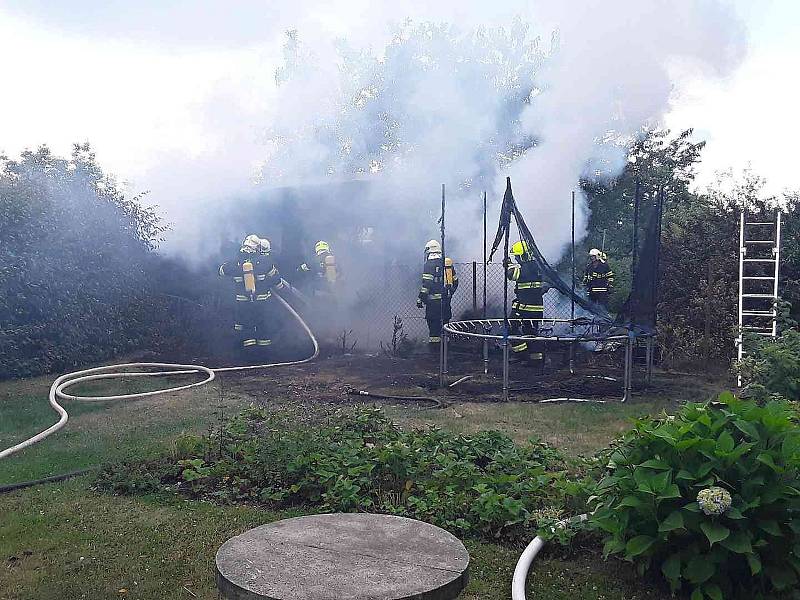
(629, 338)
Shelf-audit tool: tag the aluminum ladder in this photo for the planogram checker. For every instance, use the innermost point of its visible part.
(759, 267)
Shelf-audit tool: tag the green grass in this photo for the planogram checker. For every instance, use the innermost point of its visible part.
(97, 431)
(67, 541)
(154, 547)
(573, 428)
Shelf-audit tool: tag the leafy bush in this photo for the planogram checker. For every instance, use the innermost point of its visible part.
(357, 460)
(73, 260)
(647, 509)
(772, 366)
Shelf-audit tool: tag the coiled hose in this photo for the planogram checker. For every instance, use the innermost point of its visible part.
(112, 372)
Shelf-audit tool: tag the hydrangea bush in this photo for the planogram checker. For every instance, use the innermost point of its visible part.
(710, 499)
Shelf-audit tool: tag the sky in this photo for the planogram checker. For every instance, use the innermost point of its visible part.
(750, 119)
(142, 83)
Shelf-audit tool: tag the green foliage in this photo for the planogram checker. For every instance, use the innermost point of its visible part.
(698, 266)
(357, 460)
(655, 159)
(646, 506)
(72, 263)
(772, 366)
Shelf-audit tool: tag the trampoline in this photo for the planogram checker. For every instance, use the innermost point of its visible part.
(565, 331)
(636, 321)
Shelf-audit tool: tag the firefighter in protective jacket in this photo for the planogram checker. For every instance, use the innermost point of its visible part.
(598, 278)
(528, 302)
(254, 276)
(436, 291)
(322, 272)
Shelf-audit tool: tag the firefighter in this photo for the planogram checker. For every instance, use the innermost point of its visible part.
(528, 302)
(254, 276)
(323, 271)
(598, 277)
(436, 291)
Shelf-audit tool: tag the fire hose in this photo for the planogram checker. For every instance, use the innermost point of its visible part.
(435, 401)
(526, 560)
(57, 389)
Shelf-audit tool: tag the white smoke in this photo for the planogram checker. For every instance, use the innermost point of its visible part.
(452, 96)
(462, 99)
(611, 75)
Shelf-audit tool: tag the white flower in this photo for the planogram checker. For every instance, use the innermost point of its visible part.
(714, 500)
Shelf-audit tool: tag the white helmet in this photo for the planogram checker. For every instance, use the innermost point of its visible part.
(595, 253)
(433, 247)
(250, 244)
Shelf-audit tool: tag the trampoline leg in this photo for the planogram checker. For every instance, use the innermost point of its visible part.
(441, 360)
(628, 367)
(649, 359)
(572, 359)
(485, 357)
(505, 370)
(445, 337)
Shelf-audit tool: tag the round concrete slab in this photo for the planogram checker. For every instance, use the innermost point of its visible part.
(343, 557)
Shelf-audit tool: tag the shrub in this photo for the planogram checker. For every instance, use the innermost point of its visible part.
(647, 504)
(772, 366)
(73, 259)
(357, 460)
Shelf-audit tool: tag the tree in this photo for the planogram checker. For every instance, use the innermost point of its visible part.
(654, 161)
(73, 263)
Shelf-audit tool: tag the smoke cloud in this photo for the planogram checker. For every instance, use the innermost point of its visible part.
(408, 96)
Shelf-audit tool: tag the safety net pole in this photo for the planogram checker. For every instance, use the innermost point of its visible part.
(505, 307)
(443, 333)
(635, 241)
(572, 298)
(485, 342)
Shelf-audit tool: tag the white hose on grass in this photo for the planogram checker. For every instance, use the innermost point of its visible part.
(65, 381)
(525, 561)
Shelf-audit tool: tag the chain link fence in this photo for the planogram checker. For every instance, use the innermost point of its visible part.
(391, 291)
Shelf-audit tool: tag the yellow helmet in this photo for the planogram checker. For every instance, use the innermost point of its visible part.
(321, 247)
(519, 248)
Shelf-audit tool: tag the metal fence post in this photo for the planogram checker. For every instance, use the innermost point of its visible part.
(474, 287)
(627, 375)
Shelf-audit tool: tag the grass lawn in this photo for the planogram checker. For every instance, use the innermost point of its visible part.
(573, 428)
(67, 540)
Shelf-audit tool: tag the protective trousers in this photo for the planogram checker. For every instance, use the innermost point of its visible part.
(433, 316)
(253, 323)
(600, 298)
(533, 350)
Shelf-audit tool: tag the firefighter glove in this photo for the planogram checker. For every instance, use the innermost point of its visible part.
(420, 303)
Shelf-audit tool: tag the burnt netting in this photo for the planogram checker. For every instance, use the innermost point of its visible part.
(639, 311)
(548, 273)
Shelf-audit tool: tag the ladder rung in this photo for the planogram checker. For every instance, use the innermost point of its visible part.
(758, 313)
(759, 241)
(760, 223)
(770, 260)
(761, 278)
(759, 296)
(753, 327)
